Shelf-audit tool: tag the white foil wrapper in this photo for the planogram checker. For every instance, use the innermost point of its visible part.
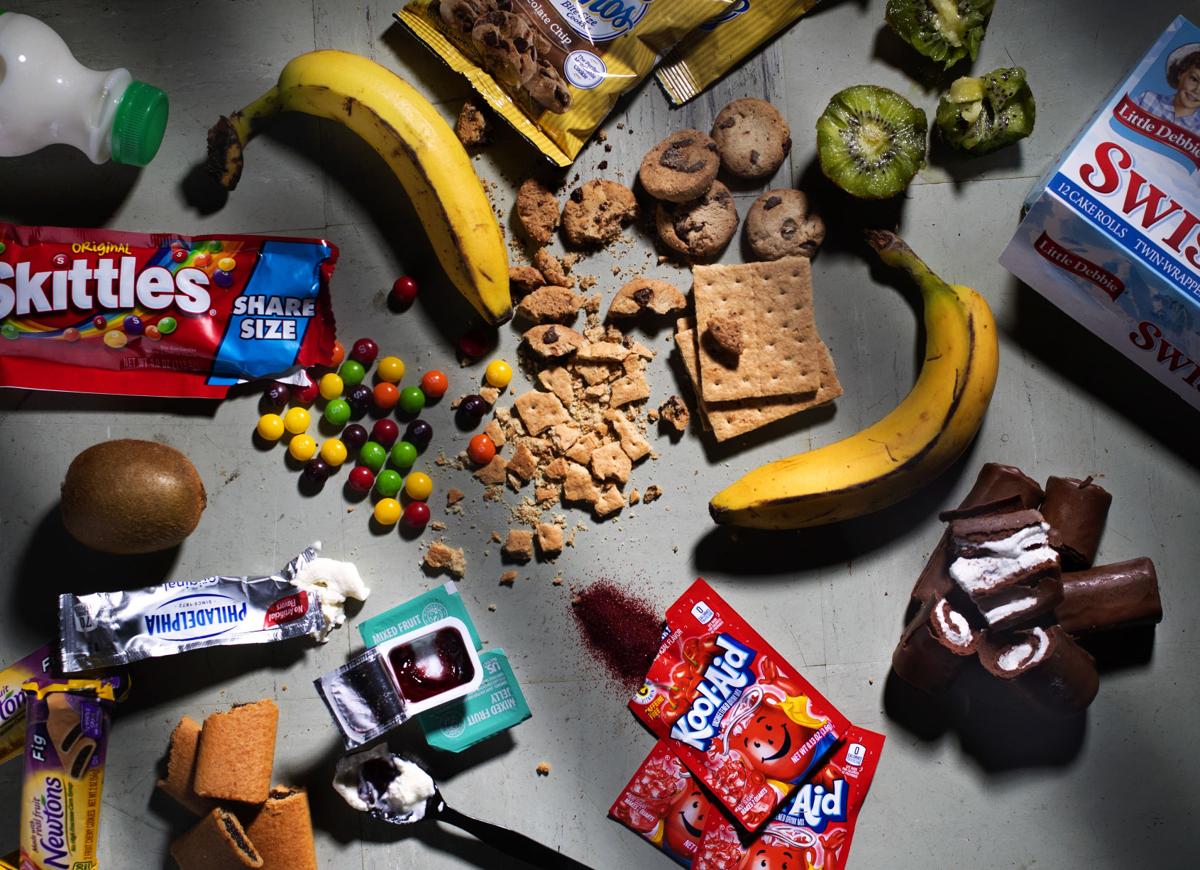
(108, 629)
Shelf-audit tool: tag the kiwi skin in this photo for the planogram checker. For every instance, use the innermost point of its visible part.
(130, 497)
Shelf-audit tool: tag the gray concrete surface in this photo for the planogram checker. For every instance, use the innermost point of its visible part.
(963, 785)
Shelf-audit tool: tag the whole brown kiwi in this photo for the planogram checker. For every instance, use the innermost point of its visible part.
(130, 497)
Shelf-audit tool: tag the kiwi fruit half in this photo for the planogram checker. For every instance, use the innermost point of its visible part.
(871, 141)
(981, 114)
(943, 30)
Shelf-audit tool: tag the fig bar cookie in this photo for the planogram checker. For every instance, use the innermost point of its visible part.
(753, 138)
(700, 228)
(537, 210)
(596, 211)
(237, 753)
(772, 302)
(780, 225)
(681, 167)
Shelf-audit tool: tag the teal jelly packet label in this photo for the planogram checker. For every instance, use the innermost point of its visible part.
(425, 609)
(497, 705)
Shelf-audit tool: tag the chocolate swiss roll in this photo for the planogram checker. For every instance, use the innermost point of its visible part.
(1017, 605)
(994, 490)
(935, 646)
(1076, 511)
(1120, 595)
(1046, 664)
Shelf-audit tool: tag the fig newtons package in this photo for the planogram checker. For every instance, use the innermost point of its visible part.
(555, 68)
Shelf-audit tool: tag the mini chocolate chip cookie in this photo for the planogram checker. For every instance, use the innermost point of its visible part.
(596, 211)
(548, 89)
(537, 210)
(753, 138)
(505, 44)
(681, 167)
(461, 15)
(779, 225)
(700, 228)
(646, 294)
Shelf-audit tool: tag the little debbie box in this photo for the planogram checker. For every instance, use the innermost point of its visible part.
(1111, 234)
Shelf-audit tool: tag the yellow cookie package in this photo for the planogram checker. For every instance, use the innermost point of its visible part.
(555, 68)
(716, 47)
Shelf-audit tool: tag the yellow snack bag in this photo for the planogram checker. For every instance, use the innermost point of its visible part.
(555, 68)
(713, 49)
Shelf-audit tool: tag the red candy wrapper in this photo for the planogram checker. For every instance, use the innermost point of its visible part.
(813, 830)
(742, 719)
(137, 314)
(665, 805)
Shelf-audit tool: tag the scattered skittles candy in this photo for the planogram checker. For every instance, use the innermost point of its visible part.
(352, 373)
(419, 434)
(498, 373)
(385, 432)
(372, 455)
(302, 447)
(412, 400)
(404, 292)
(391, 369)
(270, 427)
(334, 452)
(419, 486)
(416, 515)
(339, 354)
(386, 396)
(277, 394)
(434, 384)
(361, 478)
(317, 470)
(364, 351)
(471, 411)
(404, 454)
(337, 412)
(360, 398)
(476, 343)
(296, 420)
(305, 394)
(331, 386)
(354, 436)
(387, 512)
(481, 449)
(388, 483)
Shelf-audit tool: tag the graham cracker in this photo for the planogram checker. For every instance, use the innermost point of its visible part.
(181, 767)
(730, 419)
(772, 303)
(237, 753)
(218, 842)
(282, 831)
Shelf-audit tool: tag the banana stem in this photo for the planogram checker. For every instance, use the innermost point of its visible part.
(894, 251)
(228, 137)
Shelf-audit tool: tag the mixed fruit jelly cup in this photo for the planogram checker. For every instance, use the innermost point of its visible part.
(432, 665)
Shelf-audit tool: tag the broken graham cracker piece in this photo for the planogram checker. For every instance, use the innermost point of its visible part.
(611, 501)
(179, 782)
(646, 294)
(523, 464)
(635, 446)
(518, 546)
(578, 485)
(282, 831)
(218, 842)
(508, 578)
(581, 450)
(730, 419)
(550, 304)
(631, 388)
(546, 495)
(609, 462)
(772, 302)
(495, 431)
(549, 539)
(440, 557)
(539, 411)
(558, 381)
(551, 341)
(237, 753)
(494, 473)
(556, 469)
(601, 352)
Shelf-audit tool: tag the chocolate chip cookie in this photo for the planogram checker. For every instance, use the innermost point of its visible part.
(681, 167)
(700, 228)
(461, 15)
(596, 211)
(547, 88)
(780, 225)
(537, 210)
(506, 47)
(753, 138)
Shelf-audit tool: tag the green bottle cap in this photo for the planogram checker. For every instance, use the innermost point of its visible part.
(139, 125)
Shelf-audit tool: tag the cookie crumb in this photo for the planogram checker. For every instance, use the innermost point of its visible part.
(652, 493)
(472, 127)
(675, 413)
(454, 496)
(518, 546)
(440, 557)
(543, 768)
(508, 578)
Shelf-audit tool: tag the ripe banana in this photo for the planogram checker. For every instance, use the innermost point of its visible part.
(908, 448)
(409, 134)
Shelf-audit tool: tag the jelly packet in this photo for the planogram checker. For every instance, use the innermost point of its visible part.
(106, 629)
(713, 49)
(742, 719)
(554, 68)
(496, 705)
(37, 665)
(817, 822)
(66, 740)
(159, 314)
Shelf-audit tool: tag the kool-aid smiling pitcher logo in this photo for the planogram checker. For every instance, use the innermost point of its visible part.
(815, 806)
(196, 616)
(602, 20)
(724, 682)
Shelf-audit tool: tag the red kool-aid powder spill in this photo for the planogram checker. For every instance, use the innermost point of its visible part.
(621, 631)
